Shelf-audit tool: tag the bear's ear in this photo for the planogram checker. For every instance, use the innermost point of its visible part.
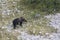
(21, 18)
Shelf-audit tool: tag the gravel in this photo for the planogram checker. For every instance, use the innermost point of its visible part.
(54, 22)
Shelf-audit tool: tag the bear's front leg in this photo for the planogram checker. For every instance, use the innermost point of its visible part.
(14, 25)
(21, 24)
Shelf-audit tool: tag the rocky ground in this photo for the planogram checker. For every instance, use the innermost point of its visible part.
(54, 21)
(7, 33)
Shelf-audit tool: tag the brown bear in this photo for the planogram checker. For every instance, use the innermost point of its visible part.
(18, 21)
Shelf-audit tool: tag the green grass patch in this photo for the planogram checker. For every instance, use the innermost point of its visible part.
(40, 26)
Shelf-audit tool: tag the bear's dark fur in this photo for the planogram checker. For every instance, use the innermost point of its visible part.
(18, 21)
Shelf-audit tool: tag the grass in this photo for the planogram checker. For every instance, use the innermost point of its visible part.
(40, 27)
(32, 27)
(4, 35)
